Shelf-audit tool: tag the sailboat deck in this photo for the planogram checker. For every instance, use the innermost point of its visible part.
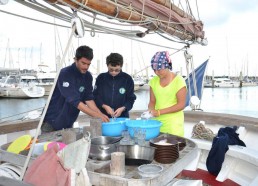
(99, 171)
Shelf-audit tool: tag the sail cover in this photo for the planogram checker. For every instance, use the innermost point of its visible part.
(156, 16)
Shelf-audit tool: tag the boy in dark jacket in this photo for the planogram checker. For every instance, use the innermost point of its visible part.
(114, 90)
(72, 94)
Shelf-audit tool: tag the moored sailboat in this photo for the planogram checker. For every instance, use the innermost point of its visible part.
(15, 86)
(46, 80)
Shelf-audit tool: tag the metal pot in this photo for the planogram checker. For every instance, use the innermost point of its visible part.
(136, 154)
(102, 147)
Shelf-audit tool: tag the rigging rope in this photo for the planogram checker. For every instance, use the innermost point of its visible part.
(182, 32)
(102, 30)
(46, 107)
(40, 108)
(189, 60)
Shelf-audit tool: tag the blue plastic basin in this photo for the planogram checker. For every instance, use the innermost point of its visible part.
(114, 127)
(151, 127)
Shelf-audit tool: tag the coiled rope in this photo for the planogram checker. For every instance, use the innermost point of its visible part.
(201, 132)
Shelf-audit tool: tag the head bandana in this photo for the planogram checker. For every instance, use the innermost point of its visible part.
(161, 60)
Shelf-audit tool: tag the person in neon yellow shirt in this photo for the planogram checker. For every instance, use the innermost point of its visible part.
(167, 95)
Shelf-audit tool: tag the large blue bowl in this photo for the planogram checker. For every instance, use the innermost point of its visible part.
(114, 127)
(151, 127)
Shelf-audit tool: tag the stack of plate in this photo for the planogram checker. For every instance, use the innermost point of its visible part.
(167, 149)
(181, 142)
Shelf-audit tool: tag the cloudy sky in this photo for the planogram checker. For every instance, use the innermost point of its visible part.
(230, 26)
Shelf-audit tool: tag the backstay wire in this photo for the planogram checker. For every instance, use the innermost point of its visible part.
(46, 107)
(189, 59)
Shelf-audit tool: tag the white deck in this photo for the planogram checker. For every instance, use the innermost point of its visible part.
(240, 165)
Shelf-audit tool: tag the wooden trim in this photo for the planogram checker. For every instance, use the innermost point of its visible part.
(18, 126)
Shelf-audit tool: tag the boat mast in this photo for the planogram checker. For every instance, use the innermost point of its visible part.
(228, 57)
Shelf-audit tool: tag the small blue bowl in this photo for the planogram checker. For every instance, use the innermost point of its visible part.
(115, 127)
(151, 127)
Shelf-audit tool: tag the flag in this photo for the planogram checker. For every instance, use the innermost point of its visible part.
(199, 73)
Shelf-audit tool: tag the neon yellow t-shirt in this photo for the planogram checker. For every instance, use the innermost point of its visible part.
(172, 123)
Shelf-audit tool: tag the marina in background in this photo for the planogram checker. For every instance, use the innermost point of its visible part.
(240, 101)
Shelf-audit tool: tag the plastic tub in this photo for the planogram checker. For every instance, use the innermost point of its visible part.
(150, 170)
(151, 127)
(114, 127)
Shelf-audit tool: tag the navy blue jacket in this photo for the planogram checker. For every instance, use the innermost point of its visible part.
(226, 136)
(116, 92)
(72, 88)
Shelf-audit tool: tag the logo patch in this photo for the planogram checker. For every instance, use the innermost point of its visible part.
(122, 90)
(65, 84)
(81, 89)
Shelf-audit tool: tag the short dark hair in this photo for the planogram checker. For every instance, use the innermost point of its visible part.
(115, 59)
(84, 51)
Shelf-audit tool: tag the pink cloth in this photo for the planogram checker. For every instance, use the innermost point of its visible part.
(48, 170)
(61, 145)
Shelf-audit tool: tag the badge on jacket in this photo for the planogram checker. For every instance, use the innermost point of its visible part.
(122, 90)
(65, 84)
(81, 89)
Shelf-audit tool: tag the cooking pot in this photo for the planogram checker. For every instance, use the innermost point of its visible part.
(102, 147)
(136, 154)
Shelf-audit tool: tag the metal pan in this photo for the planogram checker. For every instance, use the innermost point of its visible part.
(136, 154)
(102, 147)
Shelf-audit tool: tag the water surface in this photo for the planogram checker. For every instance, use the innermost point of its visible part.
(241, 101)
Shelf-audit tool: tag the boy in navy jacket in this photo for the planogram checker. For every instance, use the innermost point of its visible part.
(114, 90)
(72, 94)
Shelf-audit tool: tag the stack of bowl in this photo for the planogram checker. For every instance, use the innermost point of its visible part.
(167, 149)
(181, 142)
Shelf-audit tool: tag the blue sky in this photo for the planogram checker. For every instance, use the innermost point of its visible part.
(230, 27)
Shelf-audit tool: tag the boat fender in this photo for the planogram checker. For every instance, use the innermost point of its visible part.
(78, 24)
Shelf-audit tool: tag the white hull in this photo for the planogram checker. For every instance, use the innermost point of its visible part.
(46, 80)
(249, 84)
(137, 87)
(25, 92)
(222, 83)
(47, 87)
(142, 87)
(138, 83)
(227, 85)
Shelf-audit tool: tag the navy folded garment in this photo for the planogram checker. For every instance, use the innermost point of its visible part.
(226, 136)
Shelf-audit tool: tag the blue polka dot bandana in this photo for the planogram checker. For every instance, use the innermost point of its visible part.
(161, 60)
